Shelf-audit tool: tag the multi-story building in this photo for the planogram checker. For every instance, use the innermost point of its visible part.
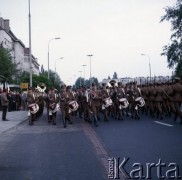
(17, 49)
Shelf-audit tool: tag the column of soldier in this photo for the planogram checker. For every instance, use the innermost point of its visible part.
(113, 100)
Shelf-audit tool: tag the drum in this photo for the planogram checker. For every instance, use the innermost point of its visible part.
(73, 106)
(107, 102)
(54, 107)
(140, 101)
(33, 108)
(123, 103)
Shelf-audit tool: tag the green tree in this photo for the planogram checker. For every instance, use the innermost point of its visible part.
(173, 51)
(7, 68)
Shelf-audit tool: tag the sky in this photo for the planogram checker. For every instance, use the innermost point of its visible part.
(115, 32)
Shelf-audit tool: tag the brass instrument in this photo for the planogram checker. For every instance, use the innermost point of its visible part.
(113, 83)
(41, 87)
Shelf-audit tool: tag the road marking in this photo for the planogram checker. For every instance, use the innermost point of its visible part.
(165, 124)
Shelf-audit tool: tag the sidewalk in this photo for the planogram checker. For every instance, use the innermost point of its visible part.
(14, 117)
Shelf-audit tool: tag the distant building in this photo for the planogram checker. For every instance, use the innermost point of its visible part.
(16, 48)
(140, 80)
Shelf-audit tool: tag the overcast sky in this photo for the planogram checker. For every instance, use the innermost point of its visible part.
(116, 32)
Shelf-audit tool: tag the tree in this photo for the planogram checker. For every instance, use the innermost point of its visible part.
(115, 76)
(109, 77)
(7, 68)
(173, 51)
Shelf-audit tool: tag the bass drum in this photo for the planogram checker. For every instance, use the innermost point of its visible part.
(33, 108)
(107, 102)
(54, 107)
(140, 101)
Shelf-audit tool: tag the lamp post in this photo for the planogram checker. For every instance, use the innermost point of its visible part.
(90, 55)
(56, 61)
(80, 77)
(149, 64)
(48, 51)
(30, 46)
(84, 71)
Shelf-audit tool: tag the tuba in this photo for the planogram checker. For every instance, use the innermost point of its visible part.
(113, 83)
(41, 87)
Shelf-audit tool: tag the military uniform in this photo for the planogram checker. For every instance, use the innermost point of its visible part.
(4, 104)
(177, 99)
(31, 99)
(95, 103)
(158, 98)
(105, 94)
(53, 100)
(64, 104)
(85, 104)
(120, 94)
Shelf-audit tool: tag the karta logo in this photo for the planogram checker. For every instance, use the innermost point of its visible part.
(117, 168)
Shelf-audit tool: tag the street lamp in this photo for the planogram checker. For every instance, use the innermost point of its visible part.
(149, 64)
(48, 51)
(80, 77)
(90, 55)
(84, 72)
(30, 46)
(56, 61)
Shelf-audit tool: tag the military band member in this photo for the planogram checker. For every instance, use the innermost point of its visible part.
(64, 104)
(95, 103)
(31, 99)
(53, 99)
(71, 97)
(85, 104)
(136, 93)
(105, 95)
(120, 94)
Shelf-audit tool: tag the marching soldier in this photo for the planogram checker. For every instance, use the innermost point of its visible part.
(95, 103)
(158, 98)
(85, 104)
(31, 99)
(53, 99)
(177, 98)
(105, 95)
(136, 93)
(70, 98)
(120, 94)
(64, 106)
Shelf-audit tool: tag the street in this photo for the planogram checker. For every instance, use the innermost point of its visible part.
(81, 151)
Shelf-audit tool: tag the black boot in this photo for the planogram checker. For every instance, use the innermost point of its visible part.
(95, 121)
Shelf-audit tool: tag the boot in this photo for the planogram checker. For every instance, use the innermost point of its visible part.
(95, 121)
(64, 123)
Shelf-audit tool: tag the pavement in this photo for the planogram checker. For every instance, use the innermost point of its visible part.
(14, 118)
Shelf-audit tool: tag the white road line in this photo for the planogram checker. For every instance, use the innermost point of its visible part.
(163, 123)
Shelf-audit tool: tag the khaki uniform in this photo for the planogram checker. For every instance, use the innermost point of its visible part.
(158, 98)
(4, 104)
(31, 99)
(177, 99)
(53, 100)
(64, 106)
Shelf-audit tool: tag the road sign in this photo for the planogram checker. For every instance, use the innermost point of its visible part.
(24, 85)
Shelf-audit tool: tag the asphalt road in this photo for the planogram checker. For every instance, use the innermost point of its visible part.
(143, 141)
(81, 151)
(44, 152)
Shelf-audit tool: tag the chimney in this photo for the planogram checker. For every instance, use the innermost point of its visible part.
(1, 23)
(6, 24)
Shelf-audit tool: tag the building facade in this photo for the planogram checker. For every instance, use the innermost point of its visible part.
(16, 48)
